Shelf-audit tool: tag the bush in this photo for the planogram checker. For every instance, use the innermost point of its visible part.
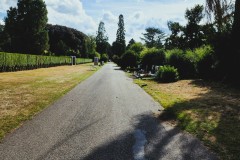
(153, 56)
(137, 48)
(116, 59)
(129, 59)
(205, 62)
(167, 74)
(104, 57)
(183, 61)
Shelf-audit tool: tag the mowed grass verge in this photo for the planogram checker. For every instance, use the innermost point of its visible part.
(23, 94)
(210, 111)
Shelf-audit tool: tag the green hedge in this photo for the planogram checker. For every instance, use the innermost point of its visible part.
(17, 62)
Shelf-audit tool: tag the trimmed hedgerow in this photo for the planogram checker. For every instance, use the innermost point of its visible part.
(17, 62)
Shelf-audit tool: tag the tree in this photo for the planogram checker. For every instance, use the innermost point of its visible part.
(119, 46)
(101, 39)
(69, 38)
(26, 27)
(228, 53)
(137, 48)
(91, 45)
(175, 40)
(192, 31)
(131, 42)
(222, 11)
(153, 37)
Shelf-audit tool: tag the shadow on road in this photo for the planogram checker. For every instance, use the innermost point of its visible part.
(161, 144)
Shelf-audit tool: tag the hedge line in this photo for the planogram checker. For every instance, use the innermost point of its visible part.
(18, 62)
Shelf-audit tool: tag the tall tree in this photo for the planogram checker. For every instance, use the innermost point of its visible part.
(175, 40)
(101, 39)
(222, 11)
(131, 42)
(153, 37)
(194, 36)
(119, 46)
(232, 58)
(91, 46)
(26, 27)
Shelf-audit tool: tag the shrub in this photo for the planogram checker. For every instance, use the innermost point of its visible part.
(205, 62)
(137, 48)
(167, 74)
(104, 57)
(116, 59)
(129, 59)
(183, 61)
(153, 56)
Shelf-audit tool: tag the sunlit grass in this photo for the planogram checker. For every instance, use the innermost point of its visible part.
(24, 94)
(211, 111)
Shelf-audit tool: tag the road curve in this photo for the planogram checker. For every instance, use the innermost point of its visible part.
(106, 117)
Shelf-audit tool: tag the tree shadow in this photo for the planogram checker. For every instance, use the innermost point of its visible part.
(162, 143)
(216, 117)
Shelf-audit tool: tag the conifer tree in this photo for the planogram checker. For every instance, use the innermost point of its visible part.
(119, 46)
(101, 39)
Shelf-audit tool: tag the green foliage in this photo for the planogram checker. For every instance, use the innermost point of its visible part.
(129, 59)
(183, 61)
(205, 62)
(91, 46)
(96, 54)
(116, 59)
(64, 39)
(27, 33)
(153, 37)
(101, 39)
(192, 31)
(137, 48)
(119, 46)
(176, 39)
(104, 57)
(153, 56)
(131, 42)
(17, 62)
(167, 74)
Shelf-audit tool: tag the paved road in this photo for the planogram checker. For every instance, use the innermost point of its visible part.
(106, 117)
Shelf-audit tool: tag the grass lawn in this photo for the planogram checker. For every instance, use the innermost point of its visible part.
(211, 111)
(23, 94)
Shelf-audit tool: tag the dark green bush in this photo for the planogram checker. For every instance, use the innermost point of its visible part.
(129, 59)
(104, 57)
(116, 59)
(153, 56)
(205, 62)
(182, 61)
(167, 74)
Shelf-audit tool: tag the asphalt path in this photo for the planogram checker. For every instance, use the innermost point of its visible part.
(106, 117)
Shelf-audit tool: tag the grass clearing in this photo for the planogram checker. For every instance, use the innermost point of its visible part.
(211, 111)
(23, 94)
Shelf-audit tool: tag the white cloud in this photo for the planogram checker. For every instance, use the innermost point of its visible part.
(5, 4)
(85, 15)
(70, 13)
(108, 16)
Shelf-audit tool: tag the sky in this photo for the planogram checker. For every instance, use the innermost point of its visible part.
(85, 15)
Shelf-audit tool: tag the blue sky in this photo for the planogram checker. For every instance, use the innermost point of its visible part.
(85, 15)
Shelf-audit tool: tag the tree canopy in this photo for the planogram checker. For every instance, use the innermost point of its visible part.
(153, 37)
(26, 27)
(101, 39)
(67, 41)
